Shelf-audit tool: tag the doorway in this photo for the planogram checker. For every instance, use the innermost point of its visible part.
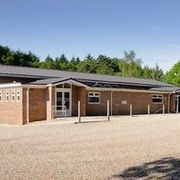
(177, 103)
(63, 102)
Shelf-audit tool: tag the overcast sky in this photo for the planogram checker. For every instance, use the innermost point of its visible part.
(108, 27)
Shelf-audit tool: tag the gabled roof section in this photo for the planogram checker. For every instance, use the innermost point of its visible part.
(57, 81)
(49, 81)
(56, 75)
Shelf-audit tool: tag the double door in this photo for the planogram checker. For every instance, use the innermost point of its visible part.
(63, 102)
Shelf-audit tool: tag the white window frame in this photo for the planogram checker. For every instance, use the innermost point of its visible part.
(12, 96)
(7, 95)
(93, 95)
(159, 97)
(18, 94)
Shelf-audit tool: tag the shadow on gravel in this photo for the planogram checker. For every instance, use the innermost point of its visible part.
(164, 169)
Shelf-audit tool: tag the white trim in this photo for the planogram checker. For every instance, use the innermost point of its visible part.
(111, 103)
(12, 96)
(27, 113)
(13, 85)
(18, 95)
(94, 95)
(7, 96)
(69, 82)
(63, 90)
(125, 90)
(157, 96)
(10, 85)
(33, 86)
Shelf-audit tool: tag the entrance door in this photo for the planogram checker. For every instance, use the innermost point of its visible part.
(63, 102)
(177, 103)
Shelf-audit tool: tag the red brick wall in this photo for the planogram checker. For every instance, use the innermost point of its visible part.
(99, 109)
(79, 94)
(74, 100)
(82, 97)
(173, 108)
(11, 111)
(37, 104)
(139, 101)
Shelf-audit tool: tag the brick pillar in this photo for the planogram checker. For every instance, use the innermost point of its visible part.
(172, 104)
(49, 103)
(82, 96)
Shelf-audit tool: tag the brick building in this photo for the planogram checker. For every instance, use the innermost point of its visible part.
(31, 94)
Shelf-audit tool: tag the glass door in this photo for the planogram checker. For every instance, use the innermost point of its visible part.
(63, 102)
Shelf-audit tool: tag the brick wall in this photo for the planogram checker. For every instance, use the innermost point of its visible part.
(172, 104)
(139, 101)
(74, 100)
(37, 104)
(101, 108)
(11, 110)
(82, 97)
(121, 103)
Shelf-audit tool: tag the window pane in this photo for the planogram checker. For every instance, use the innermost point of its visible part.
(93, 99)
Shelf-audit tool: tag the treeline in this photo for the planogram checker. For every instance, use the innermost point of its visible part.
(128, 66)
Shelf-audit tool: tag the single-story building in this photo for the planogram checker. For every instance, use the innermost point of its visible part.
(31, 94)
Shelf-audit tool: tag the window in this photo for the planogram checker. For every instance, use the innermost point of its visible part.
(157, 99)
(0, 95)
(93, 98)
(18, 95)
(7, 95)
(12, 95)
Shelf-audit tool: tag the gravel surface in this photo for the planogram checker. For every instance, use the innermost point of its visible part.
(140, 147)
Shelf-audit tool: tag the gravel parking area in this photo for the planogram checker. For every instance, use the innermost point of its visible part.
(140, 147)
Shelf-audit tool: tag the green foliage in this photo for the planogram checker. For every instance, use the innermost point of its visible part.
(88, 65)
(173, 76)
(17, 58)
(129, 65)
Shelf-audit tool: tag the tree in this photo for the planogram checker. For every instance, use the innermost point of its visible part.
(17, 58)
(61, 62)
(104, 65)
(157, 73)
(88, 65)
(173, 75)
(130, 66)
(73, 64)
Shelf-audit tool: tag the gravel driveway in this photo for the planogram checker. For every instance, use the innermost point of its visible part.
(141, 147)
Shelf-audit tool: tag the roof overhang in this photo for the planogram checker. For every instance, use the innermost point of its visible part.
(69, 81)
(126, 90)
(19, 85)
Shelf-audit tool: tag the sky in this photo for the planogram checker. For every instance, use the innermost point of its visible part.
(108, 27)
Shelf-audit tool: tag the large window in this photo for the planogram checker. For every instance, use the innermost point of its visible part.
(157, 99)
(94, 98)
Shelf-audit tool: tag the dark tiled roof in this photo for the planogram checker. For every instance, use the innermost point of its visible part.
(166, 89)
(17, 71)
(48, 81)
